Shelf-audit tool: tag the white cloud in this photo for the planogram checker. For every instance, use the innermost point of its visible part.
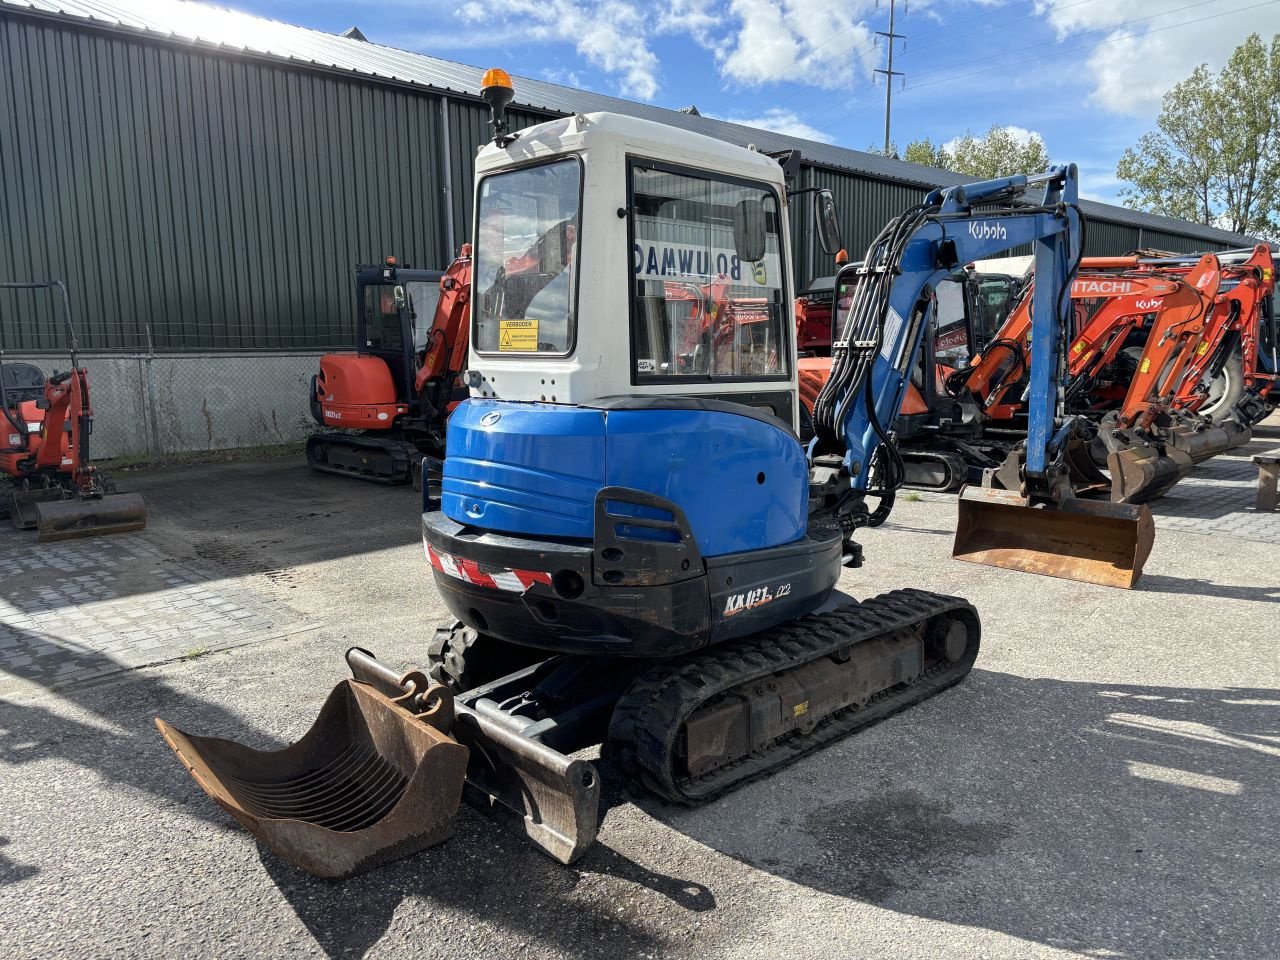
(1140, 61)
(611, 34)
(751, 42)
(782, 121)
(809, 41)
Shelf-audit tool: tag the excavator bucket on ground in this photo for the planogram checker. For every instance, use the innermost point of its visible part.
(1086, 540)
(55, 516)
(381, 772)
(368, 783)
(1141, 473)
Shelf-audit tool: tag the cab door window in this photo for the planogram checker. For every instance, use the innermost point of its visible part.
(698, 311)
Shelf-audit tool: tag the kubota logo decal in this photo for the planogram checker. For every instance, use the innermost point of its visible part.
(1149, 304)
(741, 602)
(984, 230)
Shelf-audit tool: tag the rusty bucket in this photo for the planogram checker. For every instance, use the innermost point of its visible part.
(1086, 540)
(370, 782)
(1142, 473)
(56, 514)
(1200, 442)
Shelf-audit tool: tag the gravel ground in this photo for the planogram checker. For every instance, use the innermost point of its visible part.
(1102, 785)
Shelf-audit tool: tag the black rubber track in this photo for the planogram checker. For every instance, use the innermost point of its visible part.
(402, 454)
(649, 717)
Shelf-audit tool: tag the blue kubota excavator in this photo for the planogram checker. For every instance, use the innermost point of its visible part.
(639, 550)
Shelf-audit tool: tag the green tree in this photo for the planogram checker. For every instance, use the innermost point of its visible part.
(996, 154)
(1215, 153)
(926, 154)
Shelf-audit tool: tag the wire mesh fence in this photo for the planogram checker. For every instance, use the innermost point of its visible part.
(156, 404)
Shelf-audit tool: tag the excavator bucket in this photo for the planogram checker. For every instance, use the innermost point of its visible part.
(1140, 474)
(66, 519)
(370, 782)
(1200, 443)
(1086, 540)
(381, 772)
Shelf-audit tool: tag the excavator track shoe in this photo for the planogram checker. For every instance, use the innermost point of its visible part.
(706, 724)
(1086, 540)
(1142, 474)
(67, 519)
(369, 783)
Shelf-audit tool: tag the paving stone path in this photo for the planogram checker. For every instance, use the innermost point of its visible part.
(82, 609)
(1218, 498)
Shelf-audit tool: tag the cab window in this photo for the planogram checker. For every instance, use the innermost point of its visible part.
(698, 310)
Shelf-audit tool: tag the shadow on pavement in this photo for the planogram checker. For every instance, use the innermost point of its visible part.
(484, 876)
(11, 872)
(139, 757)
(1121, 821)
(1189, 585)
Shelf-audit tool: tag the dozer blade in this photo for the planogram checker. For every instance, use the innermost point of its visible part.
(1085, 540)
(1141, 474)
(90, 517)
(529, 788)
(368, 783)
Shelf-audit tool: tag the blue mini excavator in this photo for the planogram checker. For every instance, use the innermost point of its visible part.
(638, 549)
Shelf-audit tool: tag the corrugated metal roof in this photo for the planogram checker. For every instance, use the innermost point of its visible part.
(203, 24)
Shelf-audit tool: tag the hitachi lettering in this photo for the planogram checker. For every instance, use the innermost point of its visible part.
(662, 260)
(985, 230)
(1100, 288)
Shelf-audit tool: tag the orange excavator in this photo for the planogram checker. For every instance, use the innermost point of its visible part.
(1143, 452)
(394, 394)
(1225, 380)
(53, 488)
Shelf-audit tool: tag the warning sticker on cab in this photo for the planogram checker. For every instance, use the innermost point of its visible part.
(518, 335)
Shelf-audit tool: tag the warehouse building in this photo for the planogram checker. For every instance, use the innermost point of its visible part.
(204, 181)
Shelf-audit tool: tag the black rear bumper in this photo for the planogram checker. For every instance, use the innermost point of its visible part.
(663, 601)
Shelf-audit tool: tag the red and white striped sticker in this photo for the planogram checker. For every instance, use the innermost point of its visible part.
(484, 575)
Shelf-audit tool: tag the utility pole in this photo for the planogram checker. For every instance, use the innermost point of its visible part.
(889, 72)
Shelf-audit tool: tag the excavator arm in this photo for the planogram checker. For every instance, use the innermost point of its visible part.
(446, 350)
(880, 338)
(1233, 323)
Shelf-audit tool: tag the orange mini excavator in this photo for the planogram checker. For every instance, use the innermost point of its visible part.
(391, 397)
(1224, 380)
(53, 488)
(1107, 369)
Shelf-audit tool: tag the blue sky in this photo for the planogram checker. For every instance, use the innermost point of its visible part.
(1084, 75)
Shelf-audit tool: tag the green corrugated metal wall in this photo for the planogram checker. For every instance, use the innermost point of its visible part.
(222, 200)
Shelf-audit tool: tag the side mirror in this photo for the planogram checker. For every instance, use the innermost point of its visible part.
(827, 223)
(400, 298)
(748, 230)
